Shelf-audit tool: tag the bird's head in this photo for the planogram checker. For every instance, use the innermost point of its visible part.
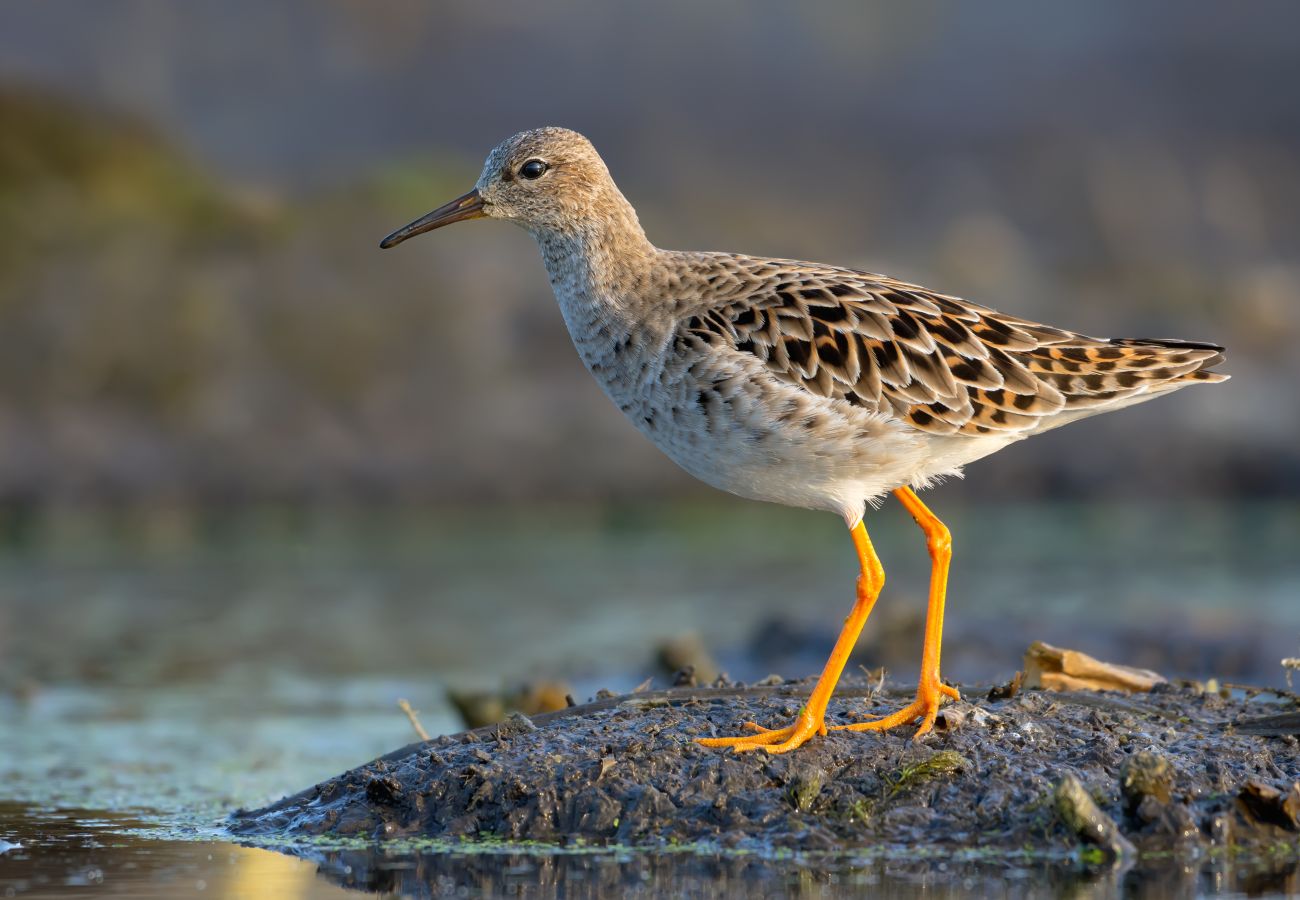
(548, 180)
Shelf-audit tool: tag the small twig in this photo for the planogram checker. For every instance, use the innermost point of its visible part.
(415, 722)
(1291, 664)
(876, 675)
(1270, 726)
(1251, 691)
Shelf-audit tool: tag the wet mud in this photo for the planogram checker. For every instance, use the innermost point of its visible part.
(1177, 769)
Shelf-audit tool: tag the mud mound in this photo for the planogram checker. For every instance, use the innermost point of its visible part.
(1178, 765)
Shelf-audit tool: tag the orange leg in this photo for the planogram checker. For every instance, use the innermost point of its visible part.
(930, 691)
(811, 719)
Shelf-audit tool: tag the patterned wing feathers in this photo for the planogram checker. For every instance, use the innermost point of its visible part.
(943, 365)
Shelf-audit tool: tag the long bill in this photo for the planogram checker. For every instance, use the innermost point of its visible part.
(470, 206)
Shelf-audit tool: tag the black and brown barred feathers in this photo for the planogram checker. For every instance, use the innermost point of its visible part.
(943, 365)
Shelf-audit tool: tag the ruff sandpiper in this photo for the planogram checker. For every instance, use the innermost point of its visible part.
(800, 383)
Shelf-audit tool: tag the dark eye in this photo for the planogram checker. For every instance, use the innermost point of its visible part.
(532, 169)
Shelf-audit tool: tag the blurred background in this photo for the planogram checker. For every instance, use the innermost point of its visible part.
(195, 312)
(249, 462)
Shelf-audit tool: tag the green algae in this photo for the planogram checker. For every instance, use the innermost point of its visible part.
(940, 764)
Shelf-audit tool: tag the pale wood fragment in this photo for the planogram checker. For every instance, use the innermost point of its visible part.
(1056, 669)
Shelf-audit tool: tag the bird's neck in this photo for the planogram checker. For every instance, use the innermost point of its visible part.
(599, 269)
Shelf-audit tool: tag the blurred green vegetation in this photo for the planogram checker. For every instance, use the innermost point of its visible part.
(68, 171)
(98, 303)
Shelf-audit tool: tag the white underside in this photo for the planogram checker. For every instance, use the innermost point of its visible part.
(852, 462)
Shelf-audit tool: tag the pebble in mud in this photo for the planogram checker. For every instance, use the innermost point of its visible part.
(1147, 781)
(626, 770)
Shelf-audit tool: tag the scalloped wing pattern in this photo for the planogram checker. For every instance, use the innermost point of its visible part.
(941, 364)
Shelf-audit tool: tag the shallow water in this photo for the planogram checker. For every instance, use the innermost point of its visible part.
(156, 682)
(71, 853)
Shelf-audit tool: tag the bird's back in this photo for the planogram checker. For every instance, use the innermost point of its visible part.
(938, 363)
(852, 383)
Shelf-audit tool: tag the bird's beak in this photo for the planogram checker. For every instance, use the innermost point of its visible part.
(461, 209)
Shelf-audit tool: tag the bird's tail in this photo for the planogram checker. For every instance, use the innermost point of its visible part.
(1180, 361)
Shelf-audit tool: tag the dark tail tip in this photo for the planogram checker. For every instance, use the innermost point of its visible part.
(1171, 343)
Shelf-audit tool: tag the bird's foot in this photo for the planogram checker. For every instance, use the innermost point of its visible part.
(930, 693)
(773, 740)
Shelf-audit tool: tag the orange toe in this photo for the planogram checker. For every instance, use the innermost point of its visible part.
(778, 740)
(929, 697)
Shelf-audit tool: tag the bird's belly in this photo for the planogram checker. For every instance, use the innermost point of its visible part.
(766, 441)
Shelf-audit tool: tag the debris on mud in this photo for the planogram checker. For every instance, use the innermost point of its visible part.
(1264, 805)
(1279, 725)
(1081, 815)
(1070, 670)
(687, 653)
(1164, 768)
(479, 708)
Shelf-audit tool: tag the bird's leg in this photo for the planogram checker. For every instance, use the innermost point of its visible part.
(811, 719)
(930, 691)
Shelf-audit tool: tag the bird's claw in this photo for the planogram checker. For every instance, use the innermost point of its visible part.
(773, 740)
(930, 694)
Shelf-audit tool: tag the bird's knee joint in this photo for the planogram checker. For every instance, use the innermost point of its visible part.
(939, 540)
(871, 583)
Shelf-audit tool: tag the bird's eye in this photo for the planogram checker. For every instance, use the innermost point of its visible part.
(533, 169)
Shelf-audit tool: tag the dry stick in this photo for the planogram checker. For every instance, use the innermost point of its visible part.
(1291, 664)
(415, 723)
(1252, 691)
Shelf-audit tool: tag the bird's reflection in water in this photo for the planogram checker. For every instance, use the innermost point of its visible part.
(625, 872)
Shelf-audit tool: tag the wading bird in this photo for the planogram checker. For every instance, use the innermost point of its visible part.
(800, 383)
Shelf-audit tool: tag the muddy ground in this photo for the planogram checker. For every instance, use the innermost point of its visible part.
(1179, 767)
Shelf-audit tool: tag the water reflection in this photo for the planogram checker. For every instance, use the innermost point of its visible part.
(70, 853)
(704, 874)
(73, 853)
